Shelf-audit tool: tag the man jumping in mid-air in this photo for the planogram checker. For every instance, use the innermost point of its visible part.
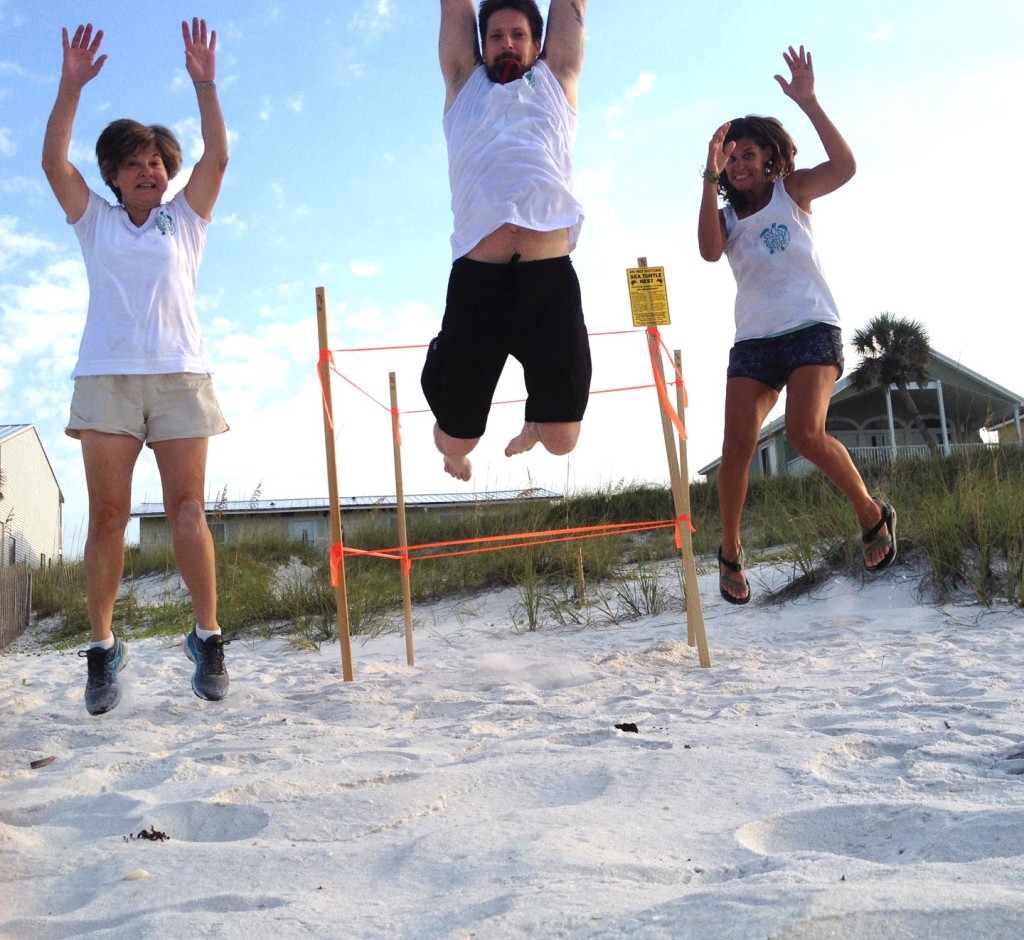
(510, 123)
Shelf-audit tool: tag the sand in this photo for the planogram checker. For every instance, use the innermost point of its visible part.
(851, 765)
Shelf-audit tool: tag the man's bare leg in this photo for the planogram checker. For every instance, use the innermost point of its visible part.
(558, 437)
(455, 450)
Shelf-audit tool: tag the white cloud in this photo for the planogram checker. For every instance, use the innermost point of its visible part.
(644, 85)
(883, 32)
(7, 147)
(617, 114)
(233, 223)
(41, 321)
(21, 184)
(593, 181)
(374, 17)
(15, 246)
(365, 269)
(297, 103)
(366, 320)
(82, 155)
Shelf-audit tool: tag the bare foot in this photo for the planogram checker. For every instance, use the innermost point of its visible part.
(455, 464)
(524, 440)
(458, 467)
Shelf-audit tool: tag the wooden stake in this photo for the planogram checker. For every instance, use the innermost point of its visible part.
(340, 592)
(694, 611)
(403, 536)
(581, 583)
(681, 502)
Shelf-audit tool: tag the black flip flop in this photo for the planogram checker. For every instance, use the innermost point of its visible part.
(734, 567)
(872, 539)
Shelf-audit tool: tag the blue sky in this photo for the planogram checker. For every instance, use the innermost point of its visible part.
(338, 178)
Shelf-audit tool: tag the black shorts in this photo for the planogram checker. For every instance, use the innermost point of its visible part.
(527, 309)
(772, 360)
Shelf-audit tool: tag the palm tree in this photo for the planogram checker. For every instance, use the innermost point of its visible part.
(895, 351)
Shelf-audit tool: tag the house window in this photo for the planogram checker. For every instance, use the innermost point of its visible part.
(12, 552)
(766, 454)
(843, 430)
(219, 532)
(303, 530)
(876, 432)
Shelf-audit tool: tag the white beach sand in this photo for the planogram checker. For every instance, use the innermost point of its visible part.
(851, 765)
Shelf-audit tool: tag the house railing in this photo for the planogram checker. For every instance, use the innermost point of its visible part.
(873, 456)
(880, 456)
(15, 602)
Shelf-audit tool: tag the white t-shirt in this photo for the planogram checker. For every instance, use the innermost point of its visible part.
(779, 282)
(510, 157)
(142, 286)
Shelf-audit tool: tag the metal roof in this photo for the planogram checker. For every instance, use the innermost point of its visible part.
(313, 504)
(10, 430)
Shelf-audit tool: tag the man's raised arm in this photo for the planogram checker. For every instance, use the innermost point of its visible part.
(459, 48)
(563, 43)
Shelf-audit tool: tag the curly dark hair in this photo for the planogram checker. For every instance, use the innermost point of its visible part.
(766, 132)
(124, 138)
(527, 7)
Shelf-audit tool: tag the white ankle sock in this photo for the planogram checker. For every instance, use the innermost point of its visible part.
(204, 635)
(107, 644)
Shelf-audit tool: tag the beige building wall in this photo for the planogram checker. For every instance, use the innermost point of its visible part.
(31, 514)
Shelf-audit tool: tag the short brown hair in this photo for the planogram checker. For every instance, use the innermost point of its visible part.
(124, 138)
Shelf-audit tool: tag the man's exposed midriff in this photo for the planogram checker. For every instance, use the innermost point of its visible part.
(530, 245)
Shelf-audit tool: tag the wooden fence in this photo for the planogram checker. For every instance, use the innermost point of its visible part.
(15, 602)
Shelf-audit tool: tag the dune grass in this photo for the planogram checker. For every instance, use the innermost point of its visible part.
(960, 518)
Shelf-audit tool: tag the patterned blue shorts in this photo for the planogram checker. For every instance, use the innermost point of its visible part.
(772, 360)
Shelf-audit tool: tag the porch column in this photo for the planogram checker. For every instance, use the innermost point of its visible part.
(892, 428)
(1016, 420)
(942, 418)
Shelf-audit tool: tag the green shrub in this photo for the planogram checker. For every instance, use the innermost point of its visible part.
(963, 517)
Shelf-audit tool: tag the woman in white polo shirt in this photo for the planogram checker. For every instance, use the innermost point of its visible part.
(142, 376)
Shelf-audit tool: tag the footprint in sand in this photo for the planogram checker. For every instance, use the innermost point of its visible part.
(890, 834)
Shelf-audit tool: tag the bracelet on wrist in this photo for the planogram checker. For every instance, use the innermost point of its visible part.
(711, 177)
(208, 84)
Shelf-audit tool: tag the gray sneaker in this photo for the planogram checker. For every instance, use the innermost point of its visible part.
(210, 680)
(102, 692)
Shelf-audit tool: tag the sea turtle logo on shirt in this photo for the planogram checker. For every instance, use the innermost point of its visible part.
(165, 223)
(530, 78)
(775, 238)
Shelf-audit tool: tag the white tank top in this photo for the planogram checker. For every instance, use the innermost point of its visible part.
(779, 282)
(510, 157)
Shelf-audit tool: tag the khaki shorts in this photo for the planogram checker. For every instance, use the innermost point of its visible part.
(151, 408)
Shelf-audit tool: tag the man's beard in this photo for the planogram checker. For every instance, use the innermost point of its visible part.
(506, 68)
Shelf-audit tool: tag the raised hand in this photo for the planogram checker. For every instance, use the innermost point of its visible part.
(200, 60)
(718, 150)
(80, 62)
(800, 86)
